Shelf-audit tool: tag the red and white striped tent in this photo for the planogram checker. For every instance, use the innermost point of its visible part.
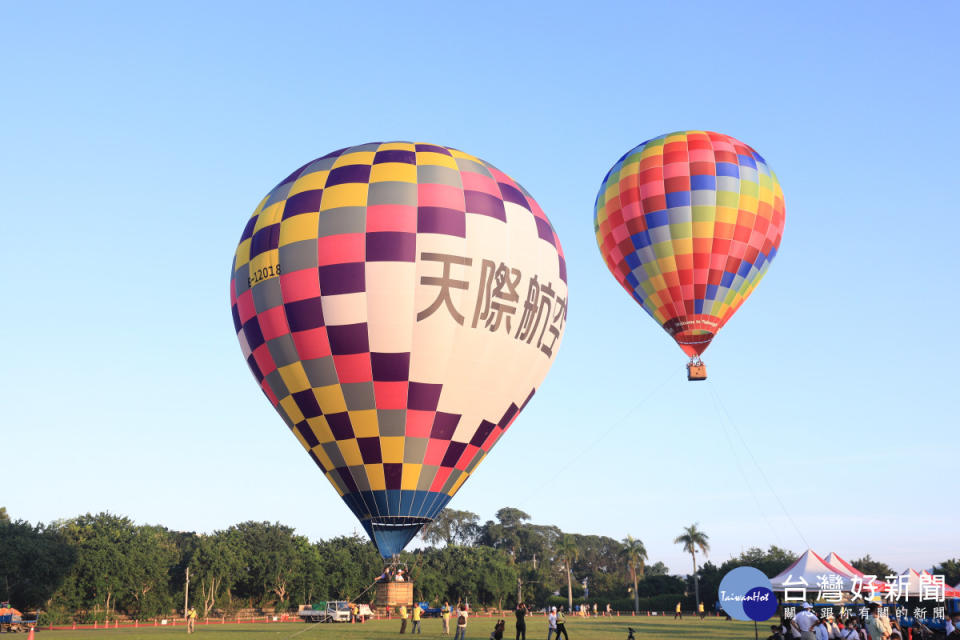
(948, 591)
(838, 564)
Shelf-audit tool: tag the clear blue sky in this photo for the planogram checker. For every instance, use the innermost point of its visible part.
(138, 137)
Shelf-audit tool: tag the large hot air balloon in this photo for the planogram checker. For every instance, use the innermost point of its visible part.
(688, 224)
(398, 303)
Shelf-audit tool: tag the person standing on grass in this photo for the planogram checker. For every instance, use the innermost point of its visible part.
(551, 623)
(677, 613)
(403, 618)
(562, 625)
(521, 614)
(445, 615)
(417, 612)
(462, 615)
(700, 611)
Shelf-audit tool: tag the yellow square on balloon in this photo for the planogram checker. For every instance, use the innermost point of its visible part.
(270, 215)
(350, 451)
(330, 399)
(393, 172)
(391, 449)
(289, 406)
(242, 255)
(294, 377)
(375, 477)
(351, 194)
(410, 476)
(355, 157)
(310, 182)
(299, 227)
(365, 423)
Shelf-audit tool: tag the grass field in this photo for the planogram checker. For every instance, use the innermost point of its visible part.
(478, 629)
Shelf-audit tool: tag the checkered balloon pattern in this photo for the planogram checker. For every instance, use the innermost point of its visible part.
(688, 223)
(398, 303)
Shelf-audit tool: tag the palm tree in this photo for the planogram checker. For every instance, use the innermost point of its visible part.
(568, 550)
(635, 554)
(691, 539)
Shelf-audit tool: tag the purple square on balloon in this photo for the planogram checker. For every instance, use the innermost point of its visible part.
(350, 173)
(391, 246)
(432, 148)
(340, 425)
(304, 202)
(512, 194)
(485, 204)
(392, 474)
(395, 155)
(442, 220)
(423, 396)
(303, 315)
(348, 277)
(444, 424)
(544, 230)
(390, 367)
(348, 338)
(454, 451)
(307, 403)
(370, 450)
(482, 432)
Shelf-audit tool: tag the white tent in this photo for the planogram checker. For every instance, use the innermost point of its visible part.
(912, 583)
(810, 574)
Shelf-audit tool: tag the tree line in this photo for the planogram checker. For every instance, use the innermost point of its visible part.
(98, 567)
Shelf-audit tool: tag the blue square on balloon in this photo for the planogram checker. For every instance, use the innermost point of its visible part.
(641, 240)
(657, 219)
(747, 161)
(744, 269)
(698, 306)
(632, 260)
(727, 279)
(678, 199)
(728, 169)
(416, 504)
(381, 499)
(700, 183)
(712, 291)
(637, 297)
(393, 500)
(632, 280)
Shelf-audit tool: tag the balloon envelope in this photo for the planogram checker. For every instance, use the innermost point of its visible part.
(398, 303)
(688, 224)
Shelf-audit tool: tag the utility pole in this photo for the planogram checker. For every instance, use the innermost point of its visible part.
(186, 594)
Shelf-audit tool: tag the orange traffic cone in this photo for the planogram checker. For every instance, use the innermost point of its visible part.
(30, 635)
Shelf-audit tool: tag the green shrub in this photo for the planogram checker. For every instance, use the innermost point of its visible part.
(55, 616)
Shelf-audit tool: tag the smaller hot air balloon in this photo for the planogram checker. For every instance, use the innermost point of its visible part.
(688, 224)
